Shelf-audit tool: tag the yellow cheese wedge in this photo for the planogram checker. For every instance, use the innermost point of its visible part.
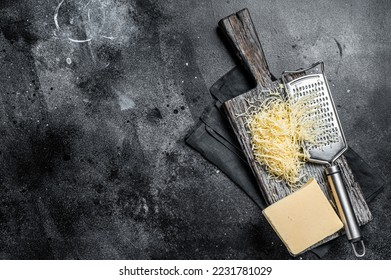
(303, 218)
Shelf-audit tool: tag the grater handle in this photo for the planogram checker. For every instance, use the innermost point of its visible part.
(240, 31)
(344, 207)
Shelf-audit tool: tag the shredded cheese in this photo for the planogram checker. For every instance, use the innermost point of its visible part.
(279, 128)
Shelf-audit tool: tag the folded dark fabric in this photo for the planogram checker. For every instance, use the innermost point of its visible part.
(208, 139)
(214, 138)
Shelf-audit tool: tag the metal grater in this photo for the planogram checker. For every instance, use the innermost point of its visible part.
(323, 111)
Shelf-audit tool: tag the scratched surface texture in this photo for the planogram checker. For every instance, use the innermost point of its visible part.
(97, 96)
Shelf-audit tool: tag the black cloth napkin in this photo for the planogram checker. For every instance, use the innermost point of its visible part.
(214, 138)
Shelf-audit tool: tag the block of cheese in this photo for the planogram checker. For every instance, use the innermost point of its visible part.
(303, 218)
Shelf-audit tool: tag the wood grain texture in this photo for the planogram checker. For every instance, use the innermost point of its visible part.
(243, 37)
(241, 32)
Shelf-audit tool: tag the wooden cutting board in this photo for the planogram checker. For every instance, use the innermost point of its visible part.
(242, 35)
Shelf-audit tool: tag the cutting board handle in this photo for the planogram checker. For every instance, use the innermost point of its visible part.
(240, 30)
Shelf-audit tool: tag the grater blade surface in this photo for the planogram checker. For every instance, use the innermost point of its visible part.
(322, 110)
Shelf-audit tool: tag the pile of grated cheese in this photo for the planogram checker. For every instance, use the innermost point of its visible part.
(279, 128)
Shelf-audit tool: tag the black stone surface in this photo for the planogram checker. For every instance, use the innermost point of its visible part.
(97, 96)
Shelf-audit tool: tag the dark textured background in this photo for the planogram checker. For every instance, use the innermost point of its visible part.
(92, 159)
